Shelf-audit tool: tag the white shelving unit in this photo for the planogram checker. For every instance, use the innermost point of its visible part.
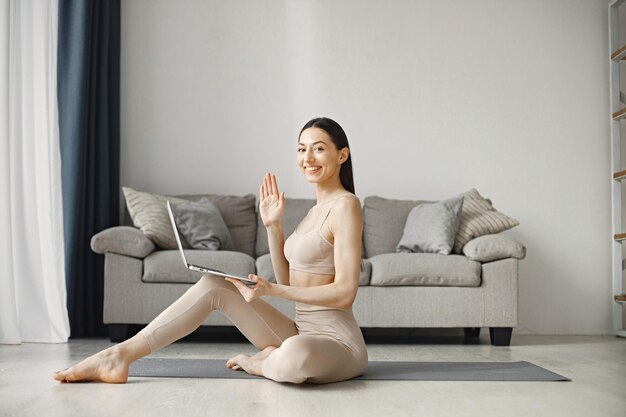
(617, 54)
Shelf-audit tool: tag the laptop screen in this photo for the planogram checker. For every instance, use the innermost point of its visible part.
(180, 246)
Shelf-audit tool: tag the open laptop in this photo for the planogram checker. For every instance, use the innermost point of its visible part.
(198, 268)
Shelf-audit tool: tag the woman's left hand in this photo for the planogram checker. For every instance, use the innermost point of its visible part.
(261, 288)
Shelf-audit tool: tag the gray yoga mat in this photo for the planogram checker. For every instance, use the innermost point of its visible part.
(376, 370)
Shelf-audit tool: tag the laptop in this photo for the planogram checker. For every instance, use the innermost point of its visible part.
(199, 268)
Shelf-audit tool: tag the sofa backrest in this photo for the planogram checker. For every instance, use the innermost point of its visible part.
(295, 210)
(239, 214)
(384, 221)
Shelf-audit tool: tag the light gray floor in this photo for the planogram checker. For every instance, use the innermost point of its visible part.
(597, 365)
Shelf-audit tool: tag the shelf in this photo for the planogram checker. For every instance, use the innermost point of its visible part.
(617, 110)
(619, 236)
(620, 114)
(619, 175)
(619, 54)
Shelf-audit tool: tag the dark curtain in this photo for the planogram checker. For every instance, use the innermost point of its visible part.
(88, 82)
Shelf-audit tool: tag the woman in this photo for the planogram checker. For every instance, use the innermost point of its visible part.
(318, 267)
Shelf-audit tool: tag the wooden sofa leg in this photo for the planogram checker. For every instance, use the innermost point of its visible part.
(500, 336)
(471, 331)
(119, 332)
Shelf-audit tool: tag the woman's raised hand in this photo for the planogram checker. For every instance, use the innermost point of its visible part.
(272, 203)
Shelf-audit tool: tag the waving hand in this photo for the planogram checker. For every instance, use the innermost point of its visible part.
(271, 202)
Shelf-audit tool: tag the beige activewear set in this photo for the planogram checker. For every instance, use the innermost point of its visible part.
(320, 345)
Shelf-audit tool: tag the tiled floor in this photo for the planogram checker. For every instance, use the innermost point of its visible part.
(596, 364)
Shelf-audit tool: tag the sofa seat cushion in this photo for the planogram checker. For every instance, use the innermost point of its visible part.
(167, 266)
(265, 269)
(424, 269)
(366, 272)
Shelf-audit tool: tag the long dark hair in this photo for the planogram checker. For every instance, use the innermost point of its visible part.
(339, 138)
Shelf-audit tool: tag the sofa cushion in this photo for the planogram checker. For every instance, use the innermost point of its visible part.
(366, 272)
(202, 225)
(478, 218)
(424, 269)
(149, 214)
(265, 269)
(432, 227)
(491, 247)
(295, 210)
(124, 240)
(384, 221)
(167, 266)
(239, 213)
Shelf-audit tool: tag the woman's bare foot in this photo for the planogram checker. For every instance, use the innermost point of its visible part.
(250, 364)
(109, 365)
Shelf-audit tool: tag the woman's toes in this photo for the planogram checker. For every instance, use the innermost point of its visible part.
(59, 375)
(69, 375)
(235, 363)
(66, 375)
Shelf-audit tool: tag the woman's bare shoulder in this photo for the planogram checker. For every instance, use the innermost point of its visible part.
(348, 205)
(347, 200)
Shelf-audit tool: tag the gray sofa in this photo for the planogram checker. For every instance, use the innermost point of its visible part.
(397, 290)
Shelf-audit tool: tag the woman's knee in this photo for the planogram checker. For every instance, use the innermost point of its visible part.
(291, 362)
(214, 289)
(210, 281)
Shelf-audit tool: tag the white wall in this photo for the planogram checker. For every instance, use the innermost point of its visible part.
(437, 97)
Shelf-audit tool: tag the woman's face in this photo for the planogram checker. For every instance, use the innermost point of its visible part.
(318, 157)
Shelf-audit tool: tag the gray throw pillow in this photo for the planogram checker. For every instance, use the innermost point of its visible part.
(492, 247)
(432, 227)
(202, 225)
(123, 240)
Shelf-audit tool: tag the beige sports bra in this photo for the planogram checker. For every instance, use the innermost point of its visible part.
(311, 251)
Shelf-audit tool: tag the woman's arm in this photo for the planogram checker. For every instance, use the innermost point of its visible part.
(347, 228)
(276, 242)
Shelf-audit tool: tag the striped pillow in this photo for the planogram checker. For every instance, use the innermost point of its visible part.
(149, 214)
(478, 218)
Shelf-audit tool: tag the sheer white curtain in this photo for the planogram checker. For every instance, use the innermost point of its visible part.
(32, 271)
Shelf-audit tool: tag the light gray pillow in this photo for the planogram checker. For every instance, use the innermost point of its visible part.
(383, 223)
(124, 240)
(492, 247)
(239, 214)
(431, 227)
(202, 225)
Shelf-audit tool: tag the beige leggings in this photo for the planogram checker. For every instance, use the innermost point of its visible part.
(322, 345)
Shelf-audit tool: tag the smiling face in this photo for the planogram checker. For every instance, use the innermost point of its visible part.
(318, 157)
